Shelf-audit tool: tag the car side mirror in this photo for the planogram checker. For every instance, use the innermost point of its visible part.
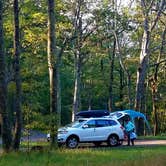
(85, 126)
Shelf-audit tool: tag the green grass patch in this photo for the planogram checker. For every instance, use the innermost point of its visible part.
(125, 156)
(35, 143)
(150, 137)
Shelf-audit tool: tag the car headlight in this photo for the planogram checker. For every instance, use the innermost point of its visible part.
(62, 132)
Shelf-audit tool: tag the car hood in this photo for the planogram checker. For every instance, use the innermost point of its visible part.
(66, 128)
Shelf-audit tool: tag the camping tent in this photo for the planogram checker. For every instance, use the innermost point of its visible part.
(138, 118)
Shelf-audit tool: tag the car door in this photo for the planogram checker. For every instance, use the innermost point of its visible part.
(87, 131)
(102, 129)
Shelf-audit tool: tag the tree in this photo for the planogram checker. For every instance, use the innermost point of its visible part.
(81, 32)
(154, 84)
(78, 60)
(148, 27)
(18, 118)
(53, 64)
(6, 130)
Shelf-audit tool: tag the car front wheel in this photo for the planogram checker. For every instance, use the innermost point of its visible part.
(72, 142)
(113, 140)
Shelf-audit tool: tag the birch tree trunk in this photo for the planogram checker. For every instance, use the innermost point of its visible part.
(18, 122)
(77, 86)
(6, 130)
(53, 65)
(78, 58)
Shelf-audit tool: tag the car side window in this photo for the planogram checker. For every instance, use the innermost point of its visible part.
(91, 124)
(112, 123)
(102, 123)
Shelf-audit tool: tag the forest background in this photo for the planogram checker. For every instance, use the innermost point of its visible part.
(110, 56)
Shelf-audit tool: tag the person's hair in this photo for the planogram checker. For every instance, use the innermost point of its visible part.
(127, 118)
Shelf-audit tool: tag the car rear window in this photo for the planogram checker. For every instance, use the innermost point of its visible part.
(112, 122)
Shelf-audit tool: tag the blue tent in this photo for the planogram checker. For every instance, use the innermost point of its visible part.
(138, 118)
(134, 114)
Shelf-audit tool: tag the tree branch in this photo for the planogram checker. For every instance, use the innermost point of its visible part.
(158, 15)
(158, 63)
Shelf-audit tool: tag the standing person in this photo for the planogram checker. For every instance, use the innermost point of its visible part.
(129, 128)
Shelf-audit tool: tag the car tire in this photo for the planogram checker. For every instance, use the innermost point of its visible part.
(97, 143)
(113, 140)
(72, 142)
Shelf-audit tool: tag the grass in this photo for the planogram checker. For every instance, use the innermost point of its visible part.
(151, 137)
(126, 156)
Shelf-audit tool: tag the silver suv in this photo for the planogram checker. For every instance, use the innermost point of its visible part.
(96, 130)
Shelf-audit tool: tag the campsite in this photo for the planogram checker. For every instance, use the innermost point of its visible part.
(82, 82)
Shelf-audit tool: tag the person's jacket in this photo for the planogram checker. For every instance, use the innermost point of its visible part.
(129, 126)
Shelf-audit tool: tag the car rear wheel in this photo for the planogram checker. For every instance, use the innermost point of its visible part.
(113, 140)
(72, 142)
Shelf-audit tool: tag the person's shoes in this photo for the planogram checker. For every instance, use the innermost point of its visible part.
(127, 145)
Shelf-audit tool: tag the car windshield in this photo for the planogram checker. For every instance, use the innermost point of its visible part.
(75, 124)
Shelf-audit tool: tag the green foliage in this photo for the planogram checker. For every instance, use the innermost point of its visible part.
(95, 72)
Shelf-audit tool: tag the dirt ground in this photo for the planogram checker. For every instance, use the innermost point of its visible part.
(137, 143)
(149, 142)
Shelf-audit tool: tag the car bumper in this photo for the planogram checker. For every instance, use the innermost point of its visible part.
(62, 138)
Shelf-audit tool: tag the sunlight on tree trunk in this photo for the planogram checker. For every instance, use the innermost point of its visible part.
(53, 69)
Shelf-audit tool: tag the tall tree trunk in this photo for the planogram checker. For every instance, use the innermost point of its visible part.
(53, 73)
(77, 87)
(129, 90)
(141, 72)
(6, 130)
(121, 86)
(155, 116)
(154, 85)
(90, 96)
(18, 122)
(111, 59)
(78, 58)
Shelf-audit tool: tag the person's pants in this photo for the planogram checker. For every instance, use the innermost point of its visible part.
(128, 139)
